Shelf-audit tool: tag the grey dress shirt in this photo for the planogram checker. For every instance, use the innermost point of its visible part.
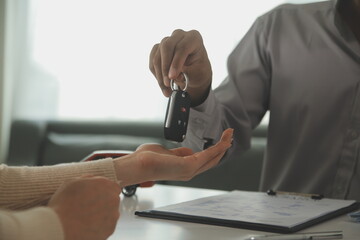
(302, 63)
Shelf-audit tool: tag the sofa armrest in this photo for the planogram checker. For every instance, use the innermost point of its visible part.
(26, 141)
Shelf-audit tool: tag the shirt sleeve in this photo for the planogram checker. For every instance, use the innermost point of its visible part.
(41, 223)
(25, 187)
(241, 100)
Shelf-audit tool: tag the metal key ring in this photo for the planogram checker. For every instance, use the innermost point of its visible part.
(172, 83)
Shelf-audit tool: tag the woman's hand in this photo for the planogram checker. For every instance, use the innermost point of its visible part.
(152, 162)
(88, 207)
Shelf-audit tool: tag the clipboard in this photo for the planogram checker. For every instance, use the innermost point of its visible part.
(282, 213)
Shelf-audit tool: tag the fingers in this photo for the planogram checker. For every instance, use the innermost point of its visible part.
(172, 55)
(161, 60)
(211, 156)
(155, 68)
(158, 163)
(147, 184)
(88, 207)
(182, 151)
(181, 50)
(151, 147)
(113, 185)
(210, 164)
(227, 135)
(100, 180)
(168, 51)
(187, 44)
(224, 143)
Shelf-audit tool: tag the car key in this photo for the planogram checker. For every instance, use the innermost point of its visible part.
(177, 113)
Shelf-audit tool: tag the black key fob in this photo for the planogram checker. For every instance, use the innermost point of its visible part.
(177, 114)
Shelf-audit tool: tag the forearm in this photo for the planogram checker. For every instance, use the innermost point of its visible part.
(24, 187)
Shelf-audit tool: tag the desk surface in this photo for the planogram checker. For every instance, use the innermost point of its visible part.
(140, 228)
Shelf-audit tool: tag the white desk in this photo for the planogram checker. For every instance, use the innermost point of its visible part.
(131, 227)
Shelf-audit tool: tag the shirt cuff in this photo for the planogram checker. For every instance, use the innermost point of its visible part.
(204, 124)
(41, 223)
(208, 106)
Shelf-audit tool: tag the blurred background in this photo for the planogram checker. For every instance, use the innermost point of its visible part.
(87, 60)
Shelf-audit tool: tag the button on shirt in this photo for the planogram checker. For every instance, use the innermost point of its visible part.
(302, 63)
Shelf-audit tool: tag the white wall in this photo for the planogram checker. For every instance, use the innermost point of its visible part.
(2, 128)
(5, 76)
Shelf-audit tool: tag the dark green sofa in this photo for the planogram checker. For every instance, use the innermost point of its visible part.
(39, 143)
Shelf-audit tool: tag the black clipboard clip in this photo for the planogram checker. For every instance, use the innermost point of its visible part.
(271, 192)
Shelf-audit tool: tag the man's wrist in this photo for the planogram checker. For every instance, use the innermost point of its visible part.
(199, 96)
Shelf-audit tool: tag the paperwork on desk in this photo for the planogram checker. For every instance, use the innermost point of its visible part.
(255, 210)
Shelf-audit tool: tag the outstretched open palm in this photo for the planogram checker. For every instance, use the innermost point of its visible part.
(182, 163)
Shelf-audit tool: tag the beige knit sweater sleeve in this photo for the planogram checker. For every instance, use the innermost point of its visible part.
(25, 187)
(28, 187)
(38, 223)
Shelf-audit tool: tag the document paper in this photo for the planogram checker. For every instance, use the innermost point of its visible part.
(258, 207)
